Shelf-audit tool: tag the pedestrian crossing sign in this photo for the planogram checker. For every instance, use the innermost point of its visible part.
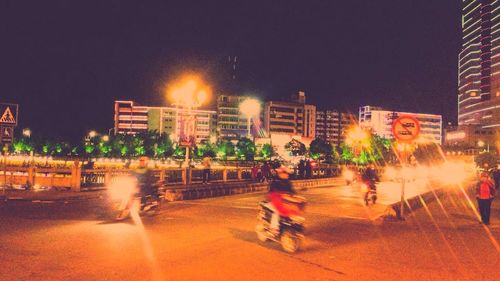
(8, 114)
(6, 134)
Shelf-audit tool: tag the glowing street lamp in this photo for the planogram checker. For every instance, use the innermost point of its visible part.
(92, 134)
(105, 138)
(250, 108)
(357, 138)
(481, 144)
(187, 94)
(27, 133)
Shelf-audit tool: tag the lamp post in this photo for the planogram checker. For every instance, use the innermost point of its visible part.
(187, 95)
(250, 108)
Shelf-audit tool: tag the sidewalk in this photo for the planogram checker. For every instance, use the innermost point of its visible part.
(50, 195)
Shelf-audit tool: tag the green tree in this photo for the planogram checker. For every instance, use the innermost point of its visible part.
(267, 151)
(164, 146)
(206, 149)
(225, 149)
(320, 149)
(296, 148)
(245, 149)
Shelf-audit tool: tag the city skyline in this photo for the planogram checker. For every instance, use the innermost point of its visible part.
(129, 52)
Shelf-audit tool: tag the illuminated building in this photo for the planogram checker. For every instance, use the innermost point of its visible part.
(331, 125)
(347, 121)
(293, 118)
(470, 139)
(380, 122)
(479, 64)
(131, 119)
(231, 122)
(328, 125)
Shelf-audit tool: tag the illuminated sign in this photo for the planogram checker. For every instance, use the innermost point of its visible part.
(458, 135)
(406, 128)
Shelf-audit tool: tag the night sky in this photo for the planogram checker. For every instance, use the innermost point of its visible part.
(65, 63)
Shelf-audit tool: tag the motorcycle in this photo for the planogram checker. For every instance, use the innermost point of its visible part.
(126, 198)
(291, 229)
(370, 190)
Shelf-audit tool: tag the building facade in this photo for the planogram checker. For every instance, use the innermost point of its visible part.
(231, 123)
(328, 126)
(380, 122)
(167, 120)
(131, 118)
(294, 118)
(479, 64)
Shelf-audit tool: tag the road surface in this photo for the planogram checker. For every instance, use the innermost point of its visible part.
(214, 239)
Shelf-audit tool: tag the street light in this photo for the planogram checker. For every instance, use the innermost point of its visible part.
(250, 108)
(187, 94)
(92, 134)
(105, 138)
(27, 132)
(357, 138)
(481, 144)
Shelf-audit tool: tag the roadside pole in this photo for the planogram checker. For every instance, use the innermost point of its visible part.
(5, 149)
(405, 130)
(403, 182)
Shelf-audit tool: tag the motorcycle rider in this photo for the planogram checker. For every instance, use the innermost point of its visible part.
(279, 188)
(371, 178)
(146, 180)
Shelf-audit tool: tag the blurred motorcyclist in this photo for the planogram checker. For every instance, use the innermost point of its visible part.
(371, 178)
(146, 180)
(279, 188)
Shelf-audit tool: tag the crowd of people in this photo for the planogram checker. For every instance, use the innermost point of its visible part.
(264, 171)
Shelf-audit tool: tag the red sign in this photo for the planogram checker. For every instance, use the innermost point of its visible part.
(187, 130)
(406, 128)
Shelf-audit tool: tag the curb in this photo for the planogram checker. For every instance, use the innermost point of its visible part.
(49, 199)
(412, 204)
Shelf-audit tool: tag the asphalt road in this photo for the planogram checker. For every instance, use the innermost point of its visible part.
(214, 239)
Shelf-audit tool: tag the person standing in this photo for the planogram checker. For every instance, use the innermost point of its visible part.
(255, 172)
(302, 168)
(266, 171)
(308, 169)
(485, 192)
(206, 168)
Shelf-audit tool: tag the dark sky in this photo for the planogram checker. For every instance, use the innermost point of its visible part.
(65, 63)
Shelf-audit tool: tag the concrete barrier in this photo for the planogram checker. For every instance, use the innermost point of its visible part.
(314, 183)
(418, 201)
(192, 192)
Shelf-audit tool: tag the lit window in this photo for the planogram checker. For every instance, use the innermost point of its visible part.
(473, 94)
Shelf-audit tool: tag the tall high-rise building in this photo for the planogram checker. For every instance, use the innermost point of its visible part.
(479, 64)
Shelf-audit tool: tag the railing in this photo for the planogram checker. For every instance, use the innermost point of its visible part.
(78, 178)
